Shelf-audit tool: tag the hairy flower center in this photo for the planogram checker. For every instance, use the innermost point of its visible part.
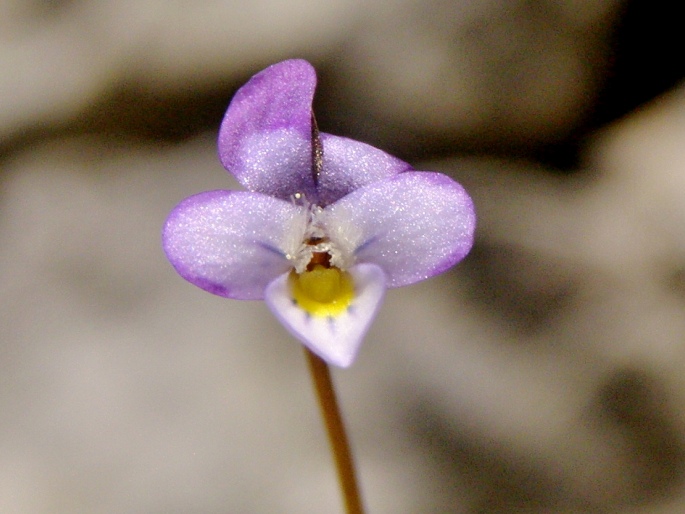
(322, 291)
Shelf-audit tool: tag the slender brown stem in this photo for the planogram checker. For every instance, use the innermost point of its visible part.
(336, 432)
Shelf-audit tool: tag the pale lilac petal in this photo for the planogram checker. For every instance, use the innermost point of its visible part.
(336, 339)
(265, 137)
(232, 243)
(414, 225)
(349, 165)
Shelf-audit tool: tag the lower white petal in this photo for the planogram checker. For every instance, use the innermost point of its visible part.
(336, 339)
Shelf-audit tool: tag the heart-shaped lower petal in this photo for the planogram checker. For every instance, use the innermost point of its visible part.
(336, 338)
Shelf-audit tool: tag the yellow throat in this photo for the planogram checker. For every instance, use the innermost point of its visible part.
(322, 291)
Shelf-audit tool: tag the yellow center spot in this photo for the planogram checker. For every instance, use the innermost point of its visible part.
(322, 291)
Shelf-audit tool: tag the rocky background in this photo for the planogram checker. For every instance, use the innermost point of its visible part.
(543, 375)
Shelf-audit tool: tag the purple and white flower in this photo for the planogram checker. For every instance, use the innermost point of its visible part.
(326, 225)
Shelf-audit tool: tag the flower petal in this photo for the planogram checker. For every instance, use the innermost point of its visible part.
(414, 225)
(233, 243)
(349, 165)
(265, 136)
(335, 339)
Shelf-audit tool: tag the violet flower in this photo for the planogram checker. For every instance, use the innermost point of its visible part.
(326, 225)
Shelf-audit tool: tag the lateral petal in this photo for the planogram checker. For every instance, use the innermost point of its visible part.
(265, 136)
(336, 339)
(413, 225)
(233, 243)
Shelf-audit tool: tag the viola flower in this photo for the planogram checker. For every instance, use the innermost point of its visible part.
(326, 225)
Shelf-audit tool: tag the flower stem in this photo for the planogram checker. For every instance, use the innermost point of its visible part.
(337, 437)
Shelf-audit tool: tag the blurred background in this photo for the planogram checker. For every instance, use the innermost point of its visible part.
(542, 375)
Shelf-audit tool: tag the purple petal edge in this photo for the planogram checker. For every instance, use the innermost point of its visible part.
(265, 136)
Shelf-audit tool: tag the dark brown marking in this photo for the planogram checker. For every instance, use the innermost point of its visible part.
(317, 152)
(322, 258)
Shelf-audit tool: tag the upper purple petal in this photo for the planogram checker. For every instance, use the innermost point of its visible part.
(414, 225)
(265, 136)
(232, 243)
(349, 165)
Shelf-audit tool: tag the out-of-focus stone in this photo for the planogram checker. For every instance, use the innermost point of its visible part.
(58, 58)
(589, 391)
(469, 74)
